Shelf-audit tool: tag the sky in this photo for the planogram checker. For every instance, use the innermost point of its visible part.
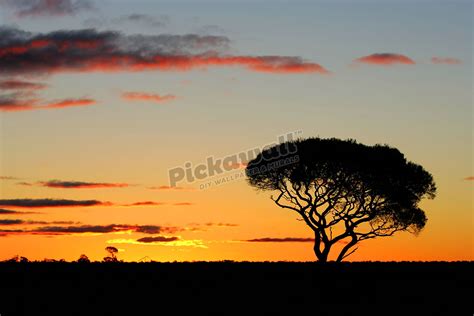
(99, 100)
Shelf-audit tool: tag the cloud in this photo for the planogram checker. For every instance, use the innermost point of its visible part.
(39, 203)
(170, 188)
(286, 239)
(80, 184)
(469, 178)
(197, 243)
(11, 212)
(221, 224)
(87, 229)
(140, 96)
(446, 60)
(91, 51)
(35, 8)
(143, 20)
(8, 178)
(21, 85)
(15, 103)
(10, 221)
(145, 203)
(29, 222)
(158, 239)
(183, 204)
(385, 59)
(204, 227)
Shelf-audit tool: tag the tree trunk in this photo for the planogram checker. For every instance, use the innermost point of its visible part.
(321, 256)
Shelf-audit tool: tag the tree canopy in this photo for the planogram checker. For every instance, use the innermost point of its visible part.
(342, 186)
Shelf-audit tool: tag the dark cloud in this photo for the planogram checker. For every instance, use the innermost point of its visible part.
(29, 222)
(151, 229)
(158, 239)
(183, 204)
(21, 85)
(11, 221)
(89, 50)
(145, 203)
(38, 203)
(80, 184)
(82, 229)
(11, 212)
(286, 239)
(32, 8)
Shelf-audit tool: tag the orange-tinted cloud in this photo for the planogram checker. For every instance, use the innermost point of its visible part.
(67, 103)
(446, 60)
(469, 178)
(15, 103)
(385, 59)
(41, 203)
(21, 85)
(80, 184)
(89, 50)
(140, 96)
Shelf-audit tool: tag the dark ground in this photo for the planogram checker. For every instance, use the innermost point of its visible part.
(224, 288)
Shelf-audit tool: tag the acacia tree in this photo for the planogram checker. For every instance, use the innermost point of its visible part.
(112, 251)
(346, 192)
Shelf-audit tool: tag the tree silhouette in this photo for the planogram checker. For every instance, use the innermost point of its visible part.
(346, 192)
(112, 251)
(83, 259)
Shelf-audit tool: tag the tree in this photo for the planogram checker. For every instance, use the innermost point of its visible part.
(346, 192)
(112, 251)
(83, 259)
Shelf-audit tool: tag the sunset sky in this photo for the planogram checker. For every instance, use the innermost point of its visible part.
(100, 99)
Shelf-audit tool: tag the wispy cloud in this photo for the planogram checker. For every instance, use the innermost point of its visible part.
(286, 239)
(183, 204)
(41, 203)
(80, 184)
(16, 103)
(144, 20)
(469, 178)
(170, 188)
(21, 85)
(197, 243)
(385, 59)
(34, 8)
(8, 178)
(89, 50)
(11, 212)
(141, 96)
(145, 203)
(85, 229)
(30, 222)
(446, 60)
(158, 239)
